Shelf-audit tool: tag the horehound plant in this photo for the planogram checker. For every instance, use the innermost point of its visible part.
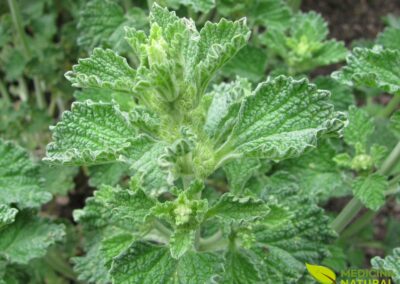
(168, 224)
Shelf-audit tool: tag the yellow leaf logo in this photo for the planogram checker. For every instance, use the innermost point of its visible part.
(322, 274)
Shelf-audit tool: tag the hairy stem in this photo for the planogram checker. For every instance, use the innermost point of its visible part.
(391, 106)
(354, 206)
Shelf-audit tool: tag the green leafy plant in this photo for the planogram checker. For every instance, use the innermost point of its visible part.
(200, 148)
(303, 46)
(173, 136)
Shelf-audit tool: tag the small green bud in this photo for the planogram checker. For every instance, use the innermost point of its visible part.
(182, 210)
(157, 47)
(362, 162)
(247, 237)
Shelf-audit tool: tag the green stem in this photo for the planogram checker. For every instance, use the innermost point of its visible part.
(17, 20)
(357, 226)
(347, 214)
(58, 264)
(52, 106)
(354, 206)
(369, 215)
(22, 89)
(4, 92)
(390, 161)
(40, 101)
(391, 106)
(203, 18)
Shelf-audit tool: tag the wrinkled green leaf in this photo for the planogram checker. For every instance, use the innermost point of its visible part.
(283, 250)
(282, 118)
(316, 174)
(103, 69)
(230, 208)
(28, 237)
(91, 133)
(127, 205)
(102, 22)
(240, 268)
(145, 263)
(390, 38)
(370, 190)
(238, 172)
(360, 127)
(375, 68)
(91, 267)
(113, 246)
(226, 99)
(389, 263)
(19, 178)
(181, 241)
